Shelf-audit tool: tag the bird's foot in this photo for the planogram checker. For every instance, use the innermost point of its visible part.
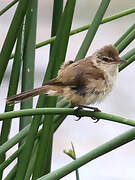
(95, 109)
(77, 112)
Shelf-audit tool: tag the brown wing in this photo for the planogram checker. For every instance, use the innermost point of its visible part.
(79, 72)
(56, 81)
(77, 75)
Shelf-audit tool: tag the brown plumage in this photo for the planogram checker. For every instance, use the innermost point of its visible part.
(82, 82)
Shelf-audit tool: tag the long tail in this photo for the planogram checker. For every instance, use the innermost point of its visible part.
(47, 89)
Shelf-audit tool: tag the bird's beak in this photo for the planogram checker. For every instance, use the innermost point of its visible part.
(120, 61)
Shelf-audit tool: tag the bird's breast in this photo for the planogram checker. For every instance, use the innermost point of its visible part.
(101, 89)
(93, 91)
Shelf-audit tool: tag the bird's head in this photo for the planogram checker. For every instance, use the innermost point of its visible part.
(108, 55)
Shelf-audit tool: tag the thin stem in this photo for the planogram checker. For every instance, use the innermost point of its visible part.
(34, 154)
(130, 60)
(13, 85)
(8, 7)
(84, 28)
(57, 11)
(28, 58)
(14, 140)
(12, 173)
(92, 29)
(57, 57)
(11, 36)
(66, 111)
(125, 35)
(95, 153)
(23, 133)
(11, 158)
(128, 54)
(126, 41)
(71, 153)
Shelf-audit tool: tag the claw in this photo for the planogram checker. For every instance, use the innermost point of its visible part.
(77, 110)
(95, 119)
(79, 117)
(95, 109)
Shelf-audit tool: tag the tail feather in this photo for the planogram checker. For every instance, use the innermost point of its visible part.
(27, 94)
(52, 90)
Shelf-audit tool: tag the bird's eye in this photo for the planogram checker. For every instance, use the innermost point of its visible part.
(105, 59)
(70, 62)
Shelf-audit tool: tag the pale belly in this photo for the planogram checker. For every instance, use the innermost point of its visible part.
(98, 96)
(89, 98)
(92, 95)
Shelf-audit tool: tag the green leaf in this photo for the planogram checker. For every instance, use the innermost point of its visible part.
(71, 153)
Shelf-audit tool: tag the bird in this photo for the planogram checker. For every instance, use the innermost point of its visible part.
(83, 82)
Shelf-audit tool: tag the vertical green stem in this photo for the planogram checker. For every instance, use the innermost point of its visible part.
(32, 19)
(34, 154)
(57, 56)
(57, 11)
(13, 84)
(11, 174)
(46, 138)
(12, 35)
(93, 29)
(28, 59)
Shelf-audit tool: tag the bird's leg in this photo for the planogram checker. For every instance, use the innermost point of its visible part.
(77, 110)
(95, 109)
